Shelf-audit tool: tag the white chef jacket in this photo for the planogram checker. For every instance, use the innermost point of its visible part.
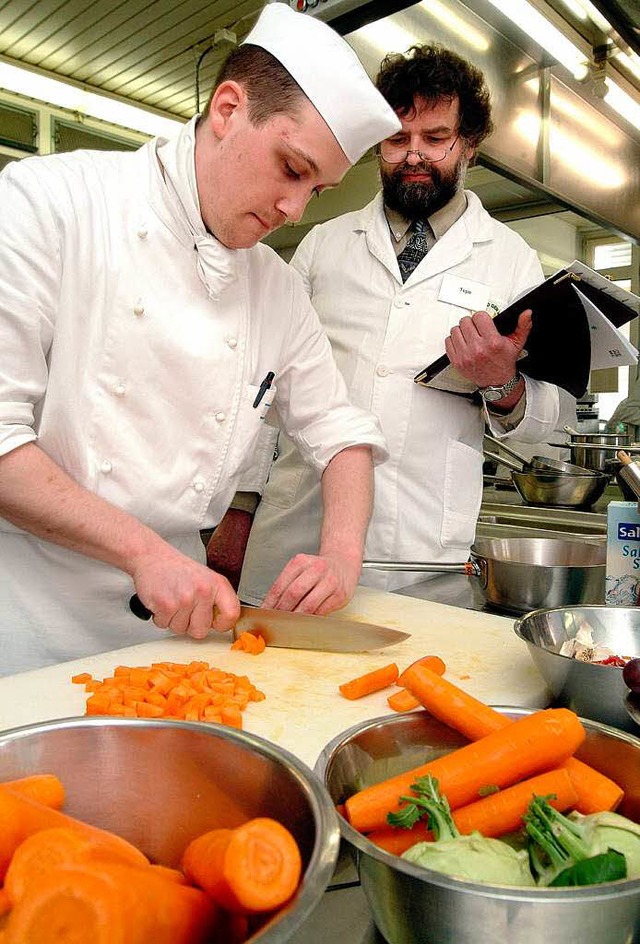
(138, 384)
(428, 494)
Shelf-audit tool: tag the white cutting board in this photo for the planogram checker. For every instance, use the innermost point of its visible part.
(303, 710)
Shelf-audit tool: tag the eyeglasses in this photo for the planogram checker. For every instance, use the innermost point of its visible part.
(393, 153)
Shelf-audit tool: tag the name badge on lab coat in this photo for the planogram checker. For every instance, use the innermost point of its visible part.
(465, 293)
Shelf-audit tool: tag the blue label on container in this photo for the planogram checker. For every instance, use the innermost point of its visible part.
(627, 531)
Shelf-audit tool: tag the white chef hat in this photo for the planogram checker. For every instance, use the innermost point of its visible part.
(330, 74)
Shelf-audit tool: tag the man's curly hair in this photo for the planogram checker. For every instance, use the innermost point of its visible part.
(432, 72)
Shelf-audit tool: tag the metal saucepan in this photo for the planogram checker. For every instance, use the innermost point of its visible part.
(523, 574)
(556, 489)
(541, 463)
(596, 451)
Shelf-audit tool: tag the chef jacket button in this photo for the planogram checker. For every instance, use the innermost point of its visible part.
(119, 390)
(198, 486)
(106, 467)
(138, 308)
(221, 417)
(382, 371)
(232, 342)
(143, 232)
(400, 303)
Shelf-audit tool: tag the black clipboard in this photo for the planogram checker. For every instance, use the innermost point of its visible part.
(558, 349)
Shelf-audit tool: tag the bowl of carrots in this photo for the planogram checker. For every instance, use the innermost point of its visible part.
(491, 765)
(158, 830)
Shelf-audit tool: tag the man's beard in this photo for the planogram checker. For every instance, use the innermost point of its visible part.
(420, 199)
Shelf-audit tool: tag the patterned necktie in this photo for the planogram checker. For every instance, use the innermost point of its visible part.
(415, 250)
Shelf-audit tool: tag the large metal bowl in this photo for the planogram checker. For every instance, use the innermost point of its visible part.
(593, 691)
(412, 905)
(161, 783)
(560, 489)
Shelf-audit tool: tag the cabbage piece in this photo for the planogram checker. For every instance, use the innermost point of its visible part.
(474, 858)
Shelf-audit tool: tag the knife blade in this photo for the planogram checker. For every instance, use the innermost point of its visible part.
(285, 630)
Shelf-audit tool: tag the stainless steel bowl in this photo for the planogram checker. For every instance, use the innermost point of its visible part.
(593, 691)
(411, 905)
(560, 489)
(161, 783)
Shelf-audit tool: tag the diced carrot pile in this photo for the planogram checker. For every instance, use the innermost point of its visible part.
(249, 642)
(189, 692)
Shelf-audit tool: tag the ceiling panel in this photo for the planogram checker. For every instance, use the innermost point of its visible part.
(140, 50)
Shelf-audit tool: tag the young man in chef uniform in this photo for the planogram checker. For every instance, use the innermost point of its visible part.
(145, 335)
(396, 284)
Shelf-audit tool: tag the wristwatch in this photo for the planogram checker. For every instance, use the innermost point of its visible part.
(492, 394)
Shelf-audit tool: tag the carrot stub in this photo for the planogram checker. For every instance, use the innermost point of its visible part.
(405, 700)
(110, 903)
(249, 642)
(475, 720)
(253, 868)
(21, 817)
(528, 746)
(370, 682)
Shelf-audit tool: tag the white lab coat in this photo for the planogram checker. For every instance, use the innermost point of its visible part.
(140, 386)
(428, 494)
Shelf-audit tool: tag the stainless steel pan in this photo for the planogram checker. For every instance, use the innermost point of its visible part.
(523, 574)
(550, 488)
(537, 463)
(597, 451)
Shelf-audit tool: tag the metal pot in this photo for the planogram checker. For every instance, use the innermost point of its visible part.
(523, 574)
(595, 450)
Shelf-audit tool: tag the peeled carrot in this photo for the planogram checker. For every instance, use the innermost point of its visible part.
(475, 720)
(48, 849)
(451, 705)
(170, 875)
(21, 817)
(434, 663)
(369, 682)
(402, 700)
(492, 816)
(110, 903)
(397, 840)
(253, 868)
(530, 745)
(189, 692)
(5, 904)
(44, 788)
(501, 813)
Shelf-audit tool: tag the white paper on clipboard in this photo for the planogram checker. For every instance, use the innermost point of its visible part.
(609, 347)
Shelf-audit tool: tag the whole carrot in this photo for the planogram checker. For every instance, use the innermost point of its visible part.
(370, 682)
(475, 720)
(493, 816)
(434, 663)
(530, 745)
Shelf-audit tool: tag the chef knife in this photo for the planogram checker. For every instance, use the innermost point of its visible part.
(282, 629)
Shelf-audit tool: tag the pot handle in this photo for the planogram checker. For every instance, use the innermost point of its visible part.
(470, 568)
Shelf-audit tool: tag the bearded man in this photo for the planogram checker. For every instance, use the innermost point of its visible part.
(395, 284)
